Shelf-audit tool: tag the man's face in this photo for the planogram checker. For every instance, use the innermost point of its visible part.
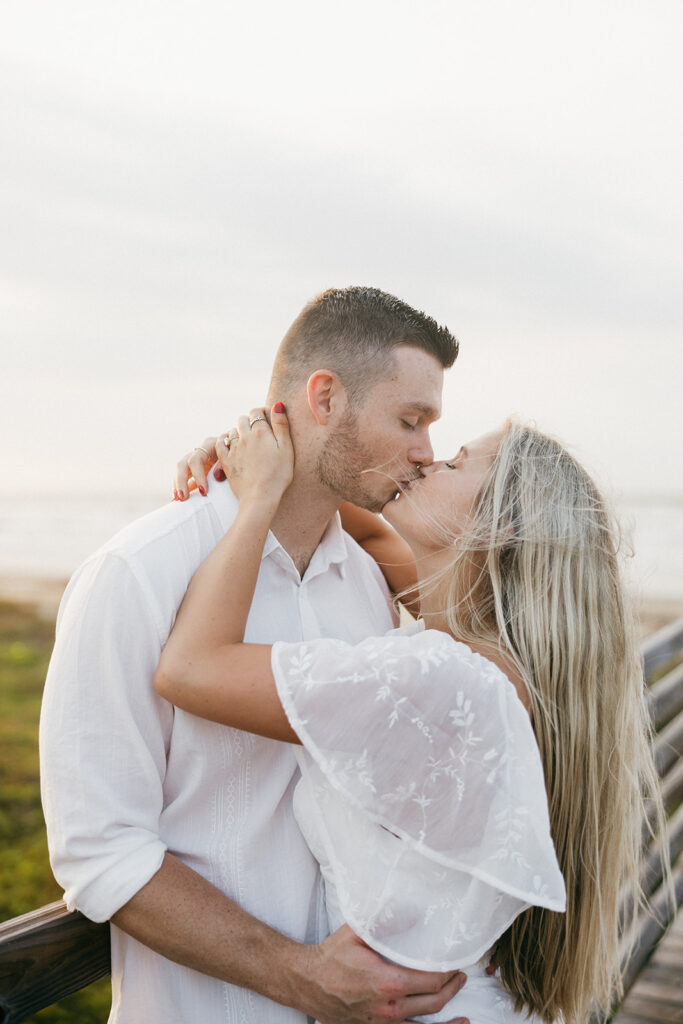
(379, 447)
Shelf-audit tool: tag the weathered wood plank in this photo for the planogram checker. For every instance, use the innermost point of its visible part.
(662, 647)
(665, 697)
(658, 970)
(657, 995)
(651, 927)
(46, 955)
(672, 787)
(639, 1018)
(653, 870)
(657, 1010)
(668, 747)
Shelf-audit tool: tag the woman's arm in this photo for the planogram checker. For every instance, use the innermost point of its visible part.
(205, 667)
(391, 552)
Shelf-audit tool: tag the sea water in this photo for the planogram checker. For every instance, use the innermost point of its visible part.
(48, 538)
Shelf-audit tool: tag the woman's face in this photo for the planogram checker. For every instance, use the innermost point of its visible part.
(439, 503)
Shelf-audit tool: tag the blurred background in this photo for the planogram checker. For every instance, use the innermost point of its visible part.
(177, 180)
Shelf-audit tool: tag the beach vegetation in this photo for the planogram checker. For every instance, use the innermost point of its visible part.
(26, 881)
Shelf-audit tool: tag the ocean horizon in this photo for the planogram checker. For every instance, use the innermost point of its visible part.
(48, 538)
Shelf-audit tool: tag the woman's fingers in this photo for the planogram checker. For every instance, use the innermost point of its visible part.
(194, 466)
(222, 451)
(256, 456)
(258, 419)
(280, 425)
(201, 460)
(243, 427)
(181, 479)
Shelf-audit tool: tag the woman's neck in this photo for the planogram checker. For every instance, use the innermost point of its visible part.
(434, 616)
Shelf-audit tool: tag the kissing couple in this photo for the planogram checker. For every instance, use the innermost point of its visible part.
(291, 807)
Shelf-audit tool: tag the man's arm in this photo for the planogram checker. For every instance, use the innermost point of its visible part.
(341, 981)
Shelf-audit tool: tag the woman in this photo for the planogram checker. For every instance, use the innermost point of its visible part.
(426, 794)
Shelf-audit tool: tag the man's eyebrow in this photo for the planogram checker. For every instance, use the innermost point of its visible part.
(425, 410)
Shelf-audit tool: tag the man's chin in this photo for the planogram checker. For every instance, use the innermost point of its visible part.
(370, 502)
(376, 505)
(387, 504)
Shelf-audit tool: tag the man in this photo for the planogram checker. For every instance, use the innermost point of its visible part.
(180, 830)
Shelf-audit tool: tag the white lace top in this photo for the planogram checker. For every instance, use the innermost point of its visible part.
(422, 793)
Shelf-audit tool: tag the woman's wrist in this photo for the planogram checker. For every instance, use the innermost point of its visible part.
(258, 508)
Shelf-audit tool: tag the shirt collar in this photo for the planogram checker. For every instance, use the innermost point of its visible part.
(332, 549)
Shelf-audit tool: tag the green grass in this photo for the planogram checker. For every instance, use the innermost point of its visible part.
(26, 881)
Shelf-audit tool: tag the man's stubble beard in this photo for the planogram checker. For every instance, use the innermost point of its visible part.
(341, 463)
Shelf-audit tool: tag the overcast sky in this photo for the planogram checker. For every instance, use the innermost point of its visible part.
(177, 179)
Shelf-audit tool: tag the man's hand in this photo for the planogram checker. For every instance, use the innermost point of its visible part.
(343, 981)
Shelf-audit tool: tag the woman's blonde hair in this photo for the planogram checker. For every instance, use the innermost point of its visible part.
(537, 574)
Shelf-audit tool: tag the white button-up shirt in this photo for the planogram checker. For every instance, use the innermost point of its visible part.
(125, 776)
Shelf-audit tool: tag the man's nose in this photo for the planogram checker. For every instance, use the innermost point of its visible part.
(422, 455)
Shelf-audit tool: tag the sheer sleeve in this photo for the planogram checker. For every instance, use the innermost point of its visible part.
(428, 788)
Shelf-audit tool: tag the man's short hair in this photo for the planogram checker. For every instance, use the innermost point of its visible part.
(353, 332)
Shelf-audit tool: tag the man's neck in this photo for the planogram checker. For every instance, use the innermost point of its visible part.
(302, 518)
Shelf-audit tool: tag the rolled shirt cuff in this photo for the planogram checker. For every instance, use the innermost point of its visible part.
(100, 898)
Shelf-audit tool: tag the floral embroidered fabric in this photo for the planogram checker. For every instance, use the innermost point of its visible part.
(422, 793)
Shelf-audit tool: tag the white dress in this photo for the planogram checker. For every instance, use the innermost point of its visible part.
(422, 797)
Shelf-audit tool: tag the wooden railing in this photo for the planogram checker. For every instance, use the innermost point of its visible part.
(45, 956)
(49, 953)
(665, 697)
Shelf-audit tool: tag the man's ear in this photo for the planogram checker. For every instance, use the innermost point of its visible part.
(326, 395)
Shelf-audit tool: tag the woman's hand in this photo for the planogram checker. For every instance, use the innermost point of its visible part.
(196, 465)
(257, 457)
(193, 469)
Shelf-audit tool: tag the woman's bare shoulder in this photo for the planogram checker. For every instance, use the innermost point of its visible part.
(507, 666)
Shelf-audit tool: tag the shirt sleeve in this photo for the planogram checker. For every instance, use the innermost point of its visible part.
(429, 791)
(103, 739)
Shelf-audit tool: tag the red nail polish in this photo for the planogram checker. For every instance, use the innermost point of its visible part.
(175, 495)
(279, 407)
(202, 491)
(218, 473)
